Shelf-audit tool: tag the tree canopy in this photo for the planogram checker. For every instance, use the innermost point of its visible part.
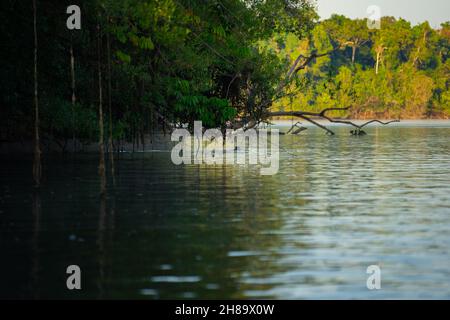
(176, 61)
(398, 71)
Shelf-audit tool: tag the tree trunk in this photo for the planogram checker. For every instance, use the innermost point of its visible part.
(37, 168)
(110, 140)
(378, 62)
(353, 54)
(101, 166)
(74, 99)
(36, 230)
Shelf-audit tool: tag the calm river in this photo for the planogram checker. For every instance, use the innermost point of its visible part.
(337, 205)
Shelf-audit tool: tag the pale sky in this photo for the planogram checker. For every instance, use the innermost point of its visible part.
(415, 11)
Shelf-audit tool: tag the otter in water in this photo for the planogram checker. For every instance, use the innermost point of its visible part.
(358, 132)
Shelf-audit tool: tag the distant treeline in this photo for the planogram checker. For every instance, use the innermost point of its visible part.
(397, 71)
(162, 62)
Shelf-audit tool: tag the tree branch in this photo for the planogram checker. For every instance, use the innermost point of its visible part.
(317, 124)
(378, 121)
(295, 68)
(305, 115)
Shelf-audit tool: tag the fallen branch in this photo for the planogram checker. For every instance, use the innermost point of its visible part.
(299, 129)
(378, 121)
(318, 124)
(295, 68)
(299, 64)
(306, 116)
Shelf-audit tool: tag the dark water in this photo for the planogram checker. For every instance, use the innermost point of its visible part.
(337, 205)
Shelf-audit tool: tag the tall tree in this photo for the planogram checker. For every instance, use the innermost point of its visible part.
(37, 166)
(101, 166)
(347, 32)
(379, 49)
(72, 85)
(110, 133)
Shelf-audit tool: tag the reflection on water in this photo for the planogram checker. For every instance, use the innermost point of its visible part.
(337, 205)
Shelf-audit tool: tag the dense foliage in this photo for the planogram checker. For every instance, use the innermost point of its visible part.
(175, 61)
(398, 71)
(171, 61)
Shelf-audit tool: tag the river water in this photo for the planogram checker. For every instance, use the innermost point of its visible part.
(337, 205)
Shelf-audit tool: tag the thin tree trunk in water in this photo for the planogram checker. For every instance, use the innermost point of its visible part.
(36, 211)
(37, 168)
(74, 99)
(101, 166)
(142, 126)
(101, 246)
(110, 141)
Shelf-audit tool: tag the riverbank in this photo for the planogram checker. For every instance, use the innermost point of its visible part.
(162, 142)
(157, 141)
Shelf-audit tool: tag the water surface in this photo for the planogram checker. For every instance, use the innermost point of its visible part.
(337, 205)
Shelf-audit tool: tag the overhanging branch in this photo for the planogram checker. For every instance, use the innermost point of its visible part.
(306, 116)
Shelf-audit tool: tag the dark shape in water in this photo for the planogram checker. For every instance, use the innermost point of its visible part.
(358, 132)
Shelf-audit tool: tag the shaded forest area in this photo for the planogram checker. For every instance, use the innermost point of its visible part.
(138, 67)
